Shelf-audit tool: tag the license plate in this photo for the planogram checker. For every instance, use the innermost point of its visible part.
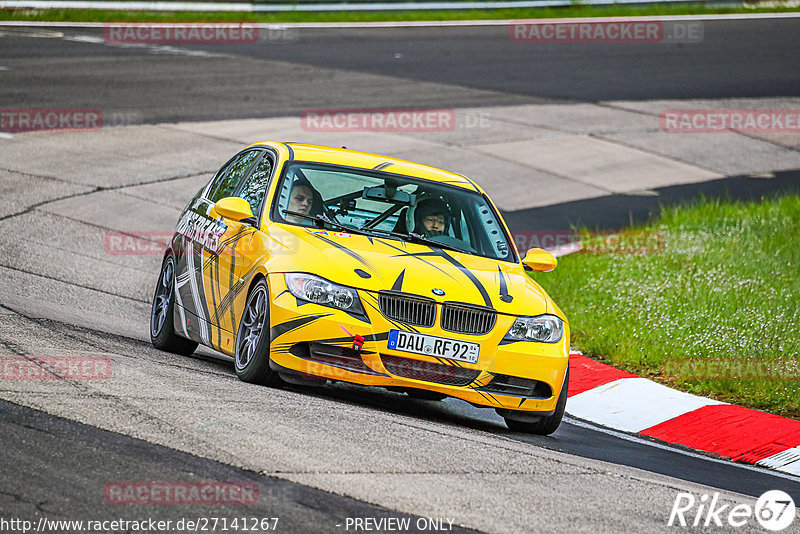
(440, 347)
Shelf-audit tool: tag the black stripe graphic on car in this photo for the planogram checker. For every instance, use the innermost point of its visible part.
(481, 383)
(203, 312)
(416, 255)
(504, 296)
(380, 336)
(235, 290)
(468, 274)
(239, 233)
(352, 254)
(212, 264)
(231, 285)
(346, 339)
(213, 256)
(214, 293)
(477, 283)
(398, 284)
(279, 329)
(488, 397)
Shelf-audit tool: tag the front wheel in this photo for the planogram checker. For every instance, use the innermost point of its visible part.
(548, 424)
(252, 340)
(162, 327)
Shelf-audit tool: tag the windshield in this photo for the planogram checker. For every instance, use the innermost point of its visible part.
(391, 206)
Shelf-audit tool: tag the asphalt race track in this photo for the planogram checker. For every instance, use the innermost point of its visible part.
(392, 67)
(321, 457)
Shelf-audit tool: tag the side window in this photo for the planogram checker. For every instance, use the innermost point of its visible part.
(218, 177)
(255, 187)
(230, 178)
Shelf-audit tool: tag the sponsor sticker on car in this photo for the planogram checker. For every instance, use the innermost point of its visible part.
(440, 347)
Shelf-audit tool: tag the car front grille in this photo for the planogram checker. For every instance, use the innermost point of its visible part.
(342, 357)
(450, 375)
(467, 319)
(407, 309)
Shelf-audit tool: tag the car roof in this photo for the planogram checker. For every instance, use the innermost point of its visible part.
(367, 161)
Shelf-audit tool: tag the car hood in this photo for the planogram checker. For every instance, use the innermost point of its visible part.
(375, 264)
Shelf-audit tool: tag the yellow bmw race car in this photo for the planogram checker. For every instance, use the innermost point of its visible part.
(309, 263)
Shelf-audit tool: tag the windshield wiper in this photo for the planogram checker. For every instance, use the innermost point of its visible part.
(323, 219)
(419, 238)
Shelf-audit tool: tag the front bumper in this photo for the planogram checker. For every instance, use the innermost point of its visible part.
(311, 339)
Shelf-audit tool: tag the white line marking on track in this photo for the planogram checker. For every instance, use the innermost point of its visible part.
(155, 49)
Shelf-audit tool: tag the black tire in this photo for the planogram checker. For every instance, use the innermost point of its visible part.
(251, 359)
(162, 326)
(548, 424)
(424, 394)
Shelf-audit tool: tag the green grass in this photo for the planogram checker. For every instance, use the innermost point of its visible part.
(87, 15)
(724, 287)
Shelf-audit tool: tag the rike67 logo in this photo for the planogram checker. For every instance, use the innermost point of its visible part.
(774, 511)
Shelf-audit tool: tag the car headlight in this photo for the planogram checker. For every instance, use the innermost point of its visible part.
(542, 328)
(319, 291)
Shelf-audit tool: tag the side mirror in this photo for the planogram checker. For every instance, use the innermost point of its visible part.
(539, 260)
(234, 208)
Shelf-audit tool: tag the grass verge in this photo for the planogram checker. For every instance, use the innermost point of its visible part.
(95, 15)
(713, 309)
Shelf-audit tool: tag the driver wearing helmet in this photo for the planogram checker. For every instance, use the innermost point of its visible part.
(431, 217)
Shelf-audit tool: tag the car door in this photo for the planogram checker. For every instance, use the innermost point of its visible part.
(203, 237)
(228, 272)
